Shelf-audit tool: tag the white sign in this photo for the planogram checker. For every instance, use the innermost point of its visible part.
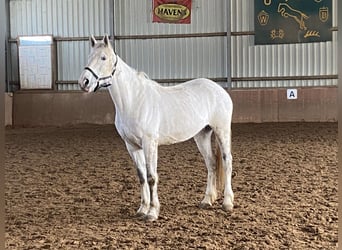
(292, 94)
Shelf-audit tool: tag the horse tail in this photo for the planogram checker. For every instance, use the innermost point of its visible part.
(220, 176)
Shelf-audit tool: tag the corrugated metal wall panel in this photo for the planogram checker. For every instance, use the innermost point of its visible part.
(176, 58)
(61, 18)
(306, 59)
(285, 83)
(74, 56)
(134, 17)
(282, 60)
(173, 58)
(242, 15)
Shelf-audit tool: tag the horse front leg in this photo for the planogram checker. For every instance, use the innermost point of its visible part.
(150, 148)
(138, 158)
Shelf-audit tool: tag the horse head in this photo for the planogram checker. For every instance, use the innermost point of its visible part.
(102, 63)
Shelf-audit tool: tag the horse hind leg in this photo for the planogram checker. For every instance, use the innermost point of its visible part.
(224, 140)
(203, 141)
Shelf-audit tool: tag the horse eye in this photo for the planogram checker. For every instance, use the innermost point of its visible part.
(103, 58)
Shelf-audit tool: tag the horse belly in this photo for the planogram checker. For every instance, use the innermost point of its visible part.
(179, 125)
(175, 136)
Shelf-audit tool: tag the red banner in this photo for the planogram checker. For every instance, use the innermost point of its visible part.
(172, 11)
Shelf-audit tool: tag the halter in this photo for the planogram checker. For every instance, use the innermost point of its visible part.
(98, 79)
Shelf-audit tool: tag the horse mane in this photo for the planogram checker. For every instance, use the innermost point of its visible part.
(145, 78)
(142, 74)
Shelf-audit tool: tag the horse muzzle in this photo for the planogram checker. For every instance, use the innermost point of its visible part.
(84, 84)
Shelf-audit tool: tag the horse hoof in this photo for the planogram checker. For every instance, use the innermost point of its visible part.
(227, 207)
(139, 215)
(150, 218)
(205, 205)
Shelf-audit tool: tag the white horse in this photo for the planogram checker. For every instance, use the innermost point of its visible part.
(149, 115)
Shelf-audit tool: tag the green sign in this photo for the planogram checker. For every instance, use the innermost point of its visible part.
(292, 21)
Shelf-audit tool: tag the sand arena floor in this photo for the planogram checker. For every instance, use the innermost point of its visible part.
(76, 188)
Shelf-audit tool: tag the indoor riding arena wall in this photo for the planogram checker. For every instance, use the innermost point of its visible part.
(32, 108)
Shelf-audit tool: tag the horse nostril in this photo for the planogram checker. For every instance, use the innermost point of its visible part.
(86, 82)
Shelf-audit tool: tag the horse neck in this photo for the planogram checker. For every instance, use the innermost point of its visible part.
(126, 88)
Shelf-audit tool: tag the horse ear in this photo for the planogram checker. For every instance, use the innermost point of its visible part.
(92, 41)
(106, 40)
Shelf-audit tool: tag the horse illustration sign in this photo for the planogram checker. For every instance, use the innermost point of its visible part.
(171, 11)
(292, 21)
